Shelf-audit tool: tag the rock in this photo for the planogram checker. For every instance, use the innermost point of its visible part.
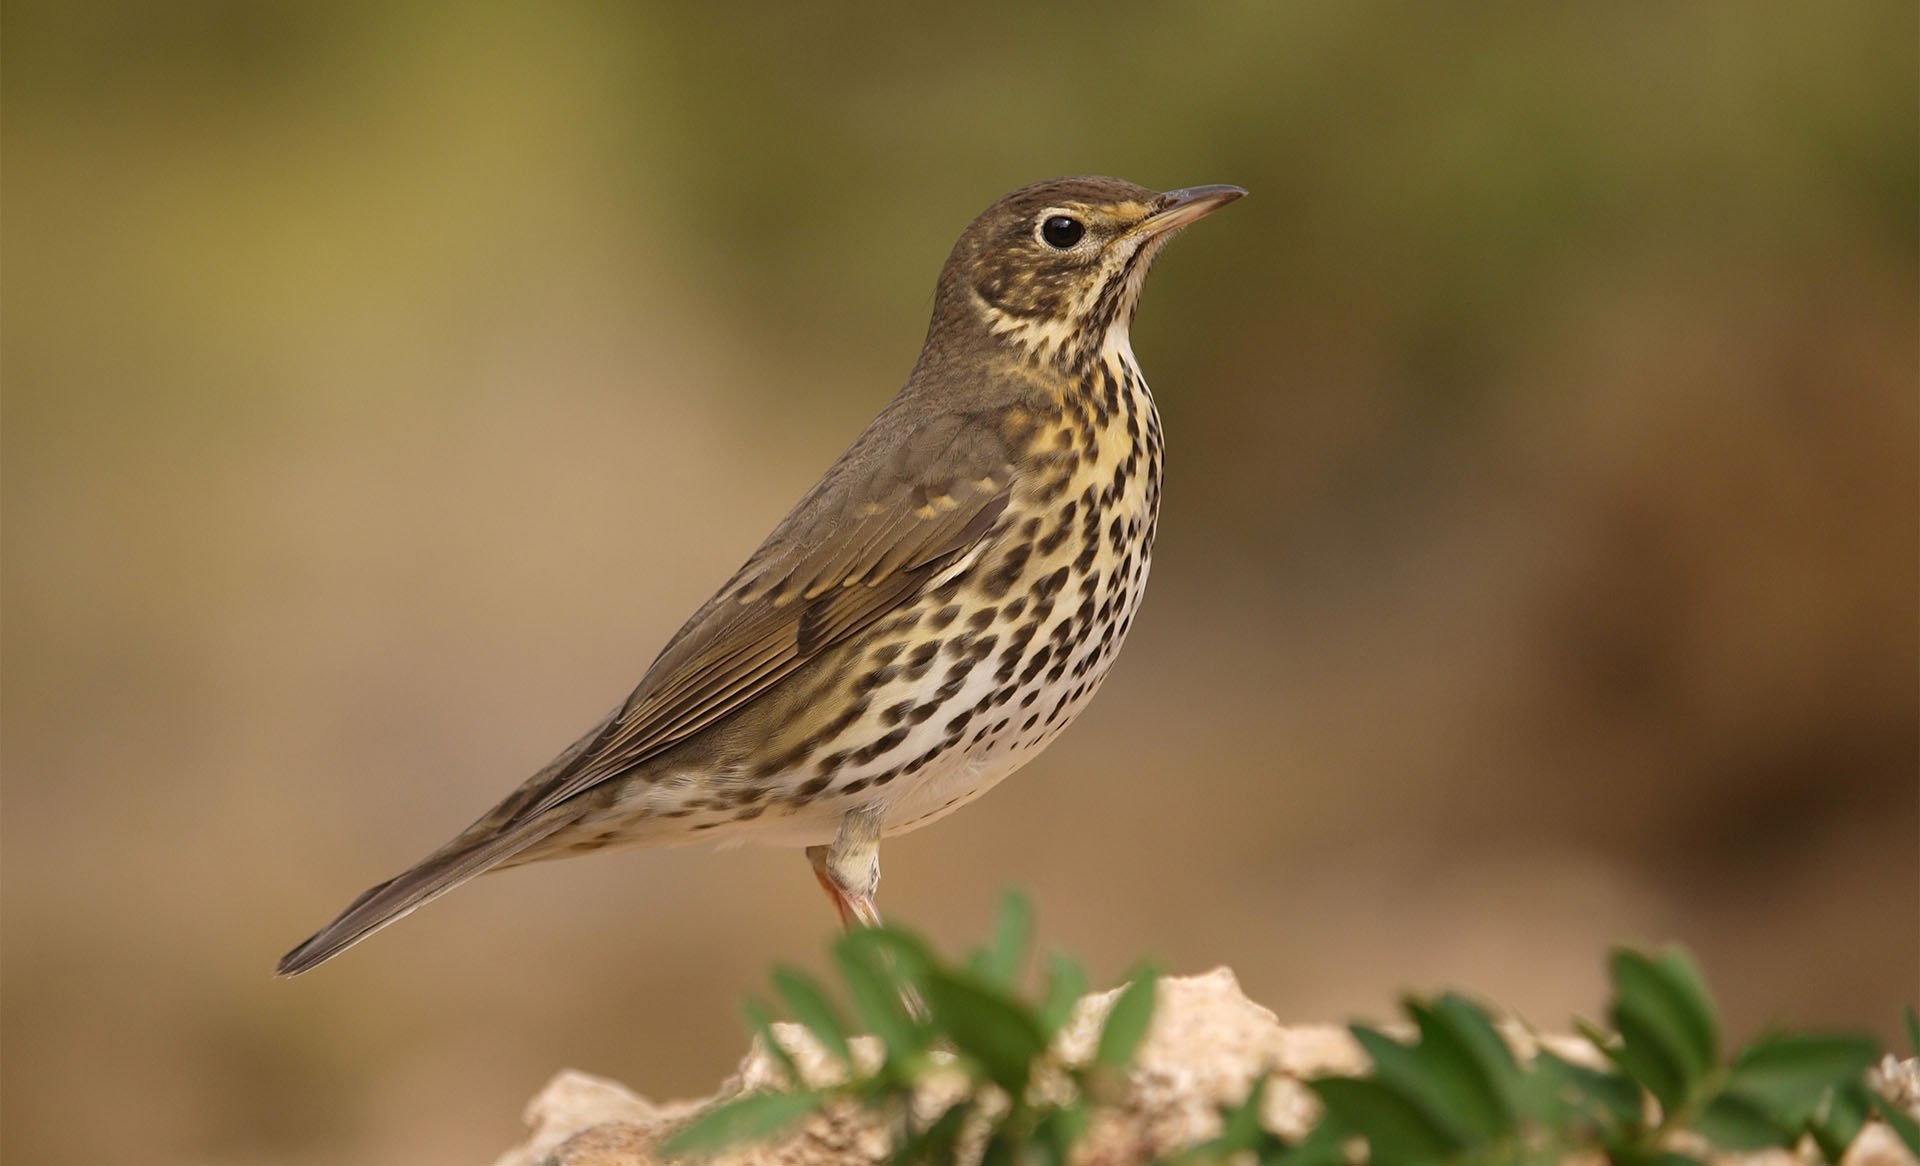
(1207, 1044)
(578, 1118)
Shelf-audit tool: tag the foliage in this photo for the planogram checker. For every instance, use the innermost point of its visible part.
(1454, 1093)
(1450, 1092)
(935, 1017)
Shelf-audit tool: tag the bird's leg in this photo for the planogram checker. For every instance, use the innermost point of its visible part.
(849, 870)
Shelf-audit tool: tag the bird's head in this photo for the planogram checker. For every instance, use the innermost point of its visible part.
(1056, 267)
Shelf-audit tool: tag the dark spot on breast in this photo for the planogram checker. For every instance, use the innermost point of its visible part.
(1007, 572)
(904, 622)
(922, 664)
(1016, 648)
(876, 678)
(950, 687)
(1049, 585)
(1057, 536)
(880, 746)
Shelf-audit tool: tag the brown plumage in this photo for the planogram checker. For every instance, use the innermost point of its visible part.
(929, 616)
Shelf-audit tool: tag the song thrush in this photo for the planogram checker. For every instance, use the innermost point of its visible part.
(933, 613)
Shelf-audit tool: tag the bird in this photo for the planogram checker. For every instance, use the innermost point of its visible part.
(931, 614)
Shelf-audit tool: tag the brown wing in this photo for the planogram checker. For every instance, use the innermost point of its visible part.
(889, 516)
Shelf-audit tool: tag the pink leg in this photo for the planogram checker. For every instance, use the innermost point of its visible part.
(849, 870)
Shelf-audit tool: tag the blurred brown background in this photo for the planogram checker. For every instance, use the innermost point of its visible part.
(385, 381)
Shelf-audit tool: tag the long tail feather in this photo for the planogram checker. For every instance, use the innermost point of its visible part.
(473, 853)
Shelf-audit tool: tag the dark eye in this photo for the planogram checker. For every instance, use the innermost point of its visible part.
(1062, 232)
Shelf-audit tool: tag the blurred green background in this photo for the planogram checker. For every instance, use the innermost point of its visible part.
(385, 381)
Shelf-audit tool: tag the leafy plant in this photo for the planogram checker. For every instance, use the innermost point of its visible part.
(933, 1017)
(1452, 1093)
(1455, 1094)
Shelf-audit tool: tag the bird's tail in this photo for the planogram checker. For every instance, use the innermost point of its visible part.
(477, 850)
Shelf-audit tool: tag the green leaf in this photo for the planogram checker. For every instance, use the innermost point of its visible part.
(1468, 1064)
(1790, 1073)
(1324, 1145)
(1001, 1149)
(746, 1119)
(1066, 983)
(876, 992)
(810, 1006)
(1240, 1127)
(986, 1026)
(1913, 1030)
(1127, 1021)
(1733, 1122)
(1401, 1069)
(1650, 1060)
(1835, 1129)
(906, 954)
(1689, 989)
(1469, 1022)
(1661, 1006)
(762, 1026)
(1055, 1134)
(1903, 1126)
(999, 964)
(1618, 1098)
(1633, 1154)
(1396, 1130)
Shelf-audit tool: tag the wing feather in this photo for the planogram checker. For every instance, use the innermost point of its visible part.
(889, 517)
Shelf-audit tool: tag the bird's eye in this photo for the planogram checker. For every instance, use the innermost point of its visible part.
(1062, 231)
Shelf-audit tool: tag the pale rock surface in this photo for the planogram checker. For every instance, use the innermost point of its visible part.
(1207, 1044)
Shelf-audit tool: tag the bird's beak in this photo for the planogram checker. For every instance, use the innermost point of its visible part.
(1178, 208)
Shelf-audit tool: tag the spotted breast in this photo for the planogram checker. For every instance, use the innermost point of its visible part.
(1022, 636)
